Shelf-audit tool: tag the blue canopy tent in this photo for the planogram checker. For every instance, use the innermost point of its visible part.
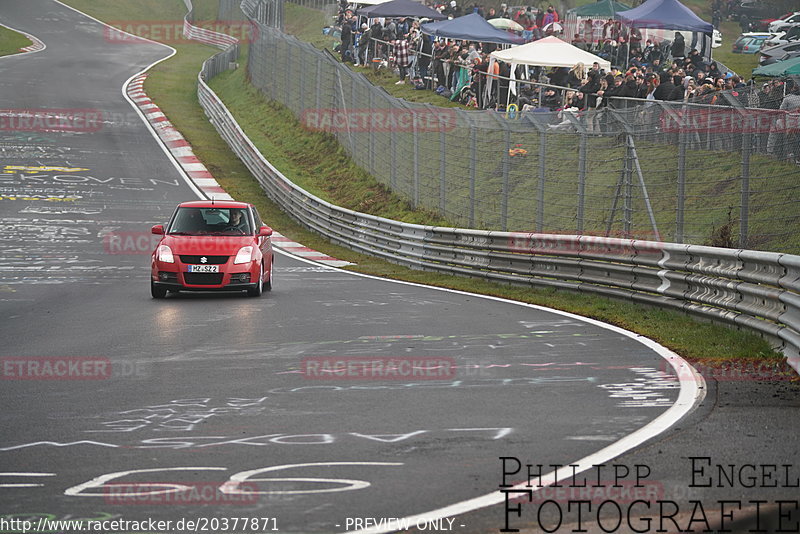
(401, 8)
(669, 15)
(470, 27)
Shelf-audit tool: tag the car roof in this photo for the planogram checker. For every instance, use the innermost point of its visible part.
(213, 204)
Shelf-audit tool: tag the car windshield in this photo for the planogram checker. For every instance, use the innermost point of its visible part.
(211, 221)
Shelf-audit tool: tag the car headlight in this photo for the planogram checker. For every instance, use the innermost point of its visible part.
(244, 255)
(165, 254)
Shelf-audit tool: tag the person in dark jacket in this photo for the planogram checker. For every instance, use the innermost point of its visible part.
(678, 49)
(590, 88)
(664, 88)
(347, 39)
(680, 88)
(559, 76)
(424, 60)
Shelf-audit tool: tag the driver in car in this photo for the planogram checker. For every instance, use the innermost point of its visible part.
(237, 222)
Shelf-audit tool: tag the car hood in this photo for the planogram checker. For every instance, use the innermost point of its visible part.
(211, 245)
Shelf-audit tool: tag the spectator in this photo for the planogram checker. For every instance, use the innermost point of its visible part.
(648, 51)
(558, 76)
(678, 49)
(579, 41)
(664, 88)
(401, 58)
(363, 45)
(590, 88)
(695, 57)
(504, 12)
(653, 83)
(576, 76)
(424, 60)
(550, 16)
(690, 90)
(347, 39)
(550, 99)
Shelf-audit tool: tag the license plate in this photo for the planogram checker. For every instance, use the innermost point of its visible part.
(203, 268)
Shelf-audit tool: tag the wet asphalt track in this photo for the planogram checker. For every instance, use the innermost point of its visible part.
(214, 382)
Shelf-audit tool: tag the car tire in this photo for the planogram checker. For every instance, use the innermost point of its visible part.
(157, 292)
(268, 283)
(259, 287)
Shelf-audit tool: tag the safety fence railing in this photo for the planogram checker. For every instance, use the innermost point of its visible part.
(229, 45)
(759, 291)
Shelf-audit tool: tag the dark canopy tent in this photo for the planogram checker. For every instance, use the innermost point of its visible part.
(669, 15)
(665, 15)
(401, 8)
(601, 9)
(472, 27)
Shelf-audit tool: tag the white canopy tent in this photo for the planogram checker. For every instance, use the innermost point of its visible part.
(548, 52)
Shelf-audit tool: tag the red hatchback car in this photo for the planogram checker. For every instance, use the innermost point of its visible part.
(212, 246)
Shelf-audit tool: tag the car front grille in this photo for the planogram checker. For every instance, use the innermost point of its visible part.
(210, 260)
(203, 279)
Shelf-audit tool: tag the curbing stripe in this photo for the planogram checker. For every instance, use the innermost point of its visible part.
(181, 150)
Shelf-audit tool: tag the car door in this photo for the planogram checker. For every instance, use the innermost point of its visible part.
(264, 243)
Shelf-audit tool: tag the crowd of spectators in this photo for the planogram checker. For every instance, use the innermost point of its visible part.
(462, 70)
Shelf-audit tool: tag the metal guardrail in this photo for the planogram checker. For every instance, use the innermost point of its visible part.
(758, 291)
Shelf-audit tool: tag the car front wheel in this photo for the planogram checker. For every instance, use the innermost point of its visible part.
(259, 286)
(268, 284)
(157, 292)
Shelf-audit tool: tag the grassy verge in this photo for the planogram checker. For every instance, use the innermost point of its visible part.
(11, 41)
(172, 87)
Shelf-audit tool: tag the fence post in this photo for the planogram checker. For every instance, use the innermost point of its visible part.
(288, 76)
(302, 81)
(473, 165)
(506, 169)
(442, 167)
(744, 217)
(542, 176)
(628, 206)
(393, 169)
(372, 134)
(415, 134)
(319, 85)
(747, 148)
(581, 182)
(680, 202)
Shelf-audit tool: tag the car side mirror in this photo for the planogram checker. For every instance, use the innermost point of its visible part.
(157, 229)
(265, 231)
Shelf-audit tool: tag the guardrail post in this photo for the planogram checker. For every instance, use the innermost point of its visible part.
(581, 182)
